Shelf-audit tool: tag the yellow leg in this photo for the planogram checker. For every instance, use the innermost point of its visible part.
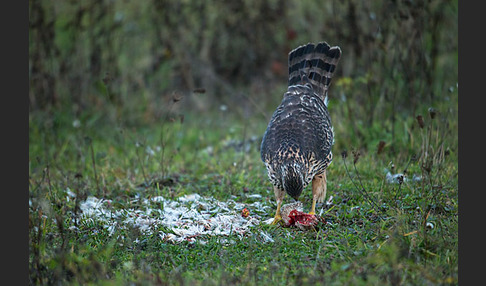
(279, 195)
(319, 188)
(277, 217)
(313, 209)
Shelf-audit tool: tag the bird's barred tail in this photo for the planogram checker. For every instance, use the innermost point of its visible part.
(314, 64)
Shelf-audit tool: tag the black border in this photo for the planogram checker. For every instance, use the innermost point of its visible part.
(15, 142)
(471, 125)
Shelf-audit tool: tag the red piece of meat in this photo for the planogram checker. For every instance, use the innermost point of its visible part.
(299, 218)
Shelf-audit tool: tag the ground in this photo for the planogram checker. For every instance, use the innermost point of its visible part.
(381, 228)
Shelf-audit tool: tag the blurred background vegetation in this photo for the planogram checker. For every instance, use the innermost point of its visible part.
(123, 61)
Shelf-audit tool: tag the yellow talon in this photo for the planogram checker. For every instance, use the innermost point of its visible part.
(313, 209)
(276, 219)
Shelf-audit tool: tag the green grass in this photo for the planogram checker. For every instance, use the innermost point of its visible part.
(377, 233)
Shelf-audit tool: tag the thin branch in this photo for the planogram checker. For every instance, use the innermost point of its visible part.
(362, 189)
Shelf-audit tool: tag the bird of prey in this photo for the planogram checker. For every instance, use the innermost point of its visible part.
(296, 146)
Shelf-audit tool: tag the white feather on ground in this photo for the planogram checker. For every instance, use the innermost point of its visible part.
(187, 218)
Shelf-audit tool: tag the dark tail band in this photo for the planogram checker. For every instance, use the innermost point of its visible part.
(314, 64)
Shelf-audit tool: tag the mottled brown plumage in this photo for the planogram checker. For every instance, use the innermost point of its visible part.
(296, 147)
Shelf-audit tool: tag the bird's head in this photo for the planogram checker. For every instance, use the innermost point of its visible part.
(292, 180)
